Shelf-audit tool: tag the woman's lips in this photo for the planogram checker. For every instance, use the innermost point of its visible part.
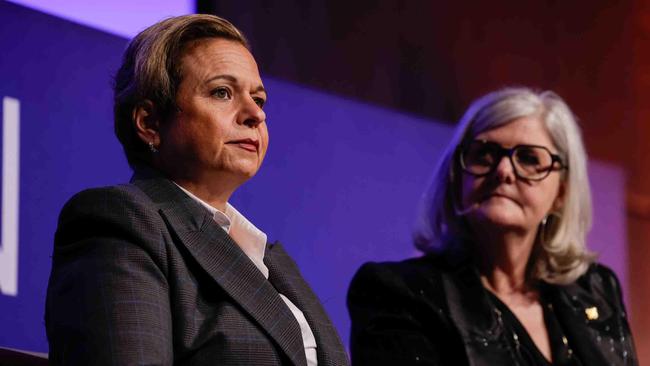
(246, 144)
(500, 196)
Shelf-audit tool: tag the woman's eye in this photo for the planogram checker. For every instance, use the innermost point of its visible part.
(260, 102)
(222, 93)
(528, 158)
(484, 159)
(483, 156)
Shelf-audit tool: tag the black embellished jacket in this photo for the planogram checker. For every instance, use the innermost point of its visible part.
(427, 311)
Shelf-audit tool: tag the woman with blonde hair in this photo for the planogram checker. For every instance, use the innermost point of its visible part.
(164, 270)
(506, 278)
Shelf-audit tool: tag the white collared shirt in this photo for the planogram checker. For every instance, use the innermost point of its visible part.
(252, 242)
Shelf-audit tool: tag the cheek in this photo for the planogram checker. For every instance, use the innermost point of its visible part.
(175, 135)
(469, 189)
(264, 140)
(542, 198)
(212, 135)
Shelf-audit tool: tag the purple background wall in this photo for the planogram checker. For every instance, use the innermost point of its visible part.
(120, 17)
(339, 187)
(60, 73)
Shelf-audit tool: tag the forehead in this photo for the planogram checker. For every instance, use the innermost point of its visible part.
(520, 131)
(208, 57)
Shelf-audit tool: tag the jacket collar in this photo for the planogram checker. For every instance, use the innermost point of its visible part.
(583, 308)
(217, 254)
(472, 312)
(473, 315)
(283, 275)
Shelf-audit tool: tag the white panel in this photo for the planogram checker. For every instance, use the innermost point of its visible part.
(10, 196)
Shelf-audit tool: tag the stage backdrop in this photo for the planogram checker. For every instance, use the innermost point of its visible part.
(339, 186)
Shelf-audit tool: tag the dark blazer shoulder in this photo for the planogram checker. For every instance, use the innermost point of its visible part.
(599, 272)
(108, 197)
(598, 280)
(110, 257)
(398, 312)
(602, 284)
(399, 287)
(113, 211)
(105, 200)
(410, 275)
(592, 312)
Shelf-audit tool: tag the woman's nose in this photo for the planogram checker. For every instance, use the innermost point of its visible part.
(251, 113)
(504, 170)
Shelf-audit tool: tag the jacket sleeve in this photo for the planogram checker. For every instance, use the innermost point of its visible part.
(392, 324)
(107, 298)
(614, 294)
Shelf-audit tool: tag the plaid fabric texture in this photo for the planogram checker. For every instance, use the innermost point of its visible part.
(141, 275)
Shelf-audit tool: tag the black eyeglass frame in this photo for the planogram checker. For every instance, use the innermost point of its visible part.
(556, 160)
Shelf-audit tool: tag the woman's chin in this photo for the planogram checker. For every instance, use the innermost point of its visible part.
(498, 218)
(243, 169)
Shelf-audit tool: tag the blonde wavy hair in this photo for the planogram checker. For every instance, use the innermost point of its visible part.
(560, 255)
(151, 70)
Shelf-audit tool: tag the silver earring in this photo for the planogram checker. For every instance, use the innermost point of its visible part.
(547, 227)
(152, 148)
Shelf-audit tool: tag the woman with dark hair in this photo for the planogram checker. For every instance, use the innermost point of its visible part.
(506, 278)
(164, 270)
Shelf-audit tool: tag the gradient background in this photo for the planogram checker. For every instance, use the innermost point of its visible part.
(363, 98)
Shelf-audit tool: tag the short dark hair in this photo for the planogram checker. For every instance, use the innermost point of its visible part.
(150, 70)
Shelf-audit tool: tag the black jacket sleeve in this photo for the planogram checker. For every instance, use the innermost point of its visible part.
(108, 299)
(395, 321)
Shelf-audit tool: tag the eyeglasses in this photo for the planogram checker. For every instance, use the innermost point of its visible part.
(530, 162)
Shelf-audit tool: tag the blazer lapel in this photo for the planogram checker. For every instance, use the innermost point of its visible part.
(227, 264)
(473, 314)
(286, 277)
(582, 317)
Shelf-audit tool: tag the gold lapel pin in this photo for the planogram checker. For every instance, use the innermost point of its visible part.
(592, 313)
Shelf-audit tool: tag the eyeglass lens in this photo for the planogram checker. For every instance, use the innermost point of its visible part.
(530, 162)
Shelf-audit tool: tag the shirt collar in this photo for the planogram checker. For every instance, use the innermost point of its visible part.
(250, 239)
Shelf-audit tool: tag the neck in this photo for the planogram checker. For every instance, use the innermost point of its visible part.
(502, 259)
(212, 186)
(215, 192)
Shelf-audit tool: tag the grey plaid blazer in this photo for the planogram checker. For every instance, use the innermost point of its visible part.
(142, 275)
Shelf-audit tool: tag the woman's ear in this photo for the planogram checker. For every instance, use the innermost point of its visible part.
(146, 121)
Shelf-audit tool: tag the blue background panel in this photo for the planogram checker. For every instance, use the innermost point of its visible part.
(339, 186)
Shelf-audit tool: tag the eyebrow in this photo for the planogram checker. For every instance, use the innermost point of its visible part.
(233, 80)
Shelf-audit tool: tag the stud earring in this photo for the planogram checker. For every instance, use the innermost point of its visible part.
(152, 148)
